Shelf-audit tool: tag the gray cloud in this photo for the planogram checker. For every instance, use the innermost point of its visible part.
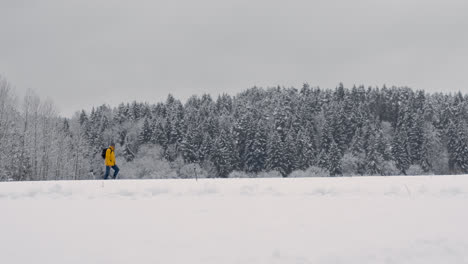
(84, 53)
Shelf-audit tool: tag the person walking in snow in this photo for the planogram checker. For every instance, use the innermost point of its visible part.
(110, 162)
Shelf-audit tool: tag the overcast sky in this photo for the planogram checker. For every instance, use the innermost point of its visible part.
(83, 53)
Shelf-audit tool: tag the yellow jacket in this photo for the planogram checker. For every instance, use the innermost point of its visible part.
(110, 157)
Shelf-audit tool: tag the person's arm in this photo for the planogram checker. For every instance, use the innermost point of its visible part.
(108, 157)
(113, 157)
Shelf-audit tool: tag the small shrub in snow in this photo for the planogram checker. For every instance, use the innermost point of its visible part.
(315, 171)
(148, 165)
(416, 170)
(310, 172)
(240, 174)
(210, 169)
(349, 164)
(177, 164)
(192, 170)
(440, 164)
(389, 168)
(147, 168)
(297, 174)
(269, 174)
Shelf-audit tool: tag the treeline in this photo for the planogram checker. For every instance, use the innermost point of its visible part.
(34, 141)
(287, 131)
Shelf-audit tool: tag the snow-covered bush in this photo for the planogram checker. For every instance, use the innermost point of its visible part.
(440, 164)
(310, 172)
(146, 168)
(349, 164)
(315, 171)
(297, 174)
(269, 174)
(241, 174)
(389, 168)
(177, 164)
(148, 165)
(210, 169)
(416, 170)
(192, 170)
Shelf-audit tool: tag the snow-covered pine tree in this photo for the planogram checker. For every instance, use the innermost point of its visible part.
(416, 137)
(190, 145)
(400, 151)
(146, 133)
(452, 142)
(244, 133)
(275, 154)
(334, 164)
(159, 134)
(206, 148)
(374, 159)
(430, 147)
(256, 154)
(461, 149)
(290, 158)
(223, 154)
(339, 128)
(326, 140)
(305, 150)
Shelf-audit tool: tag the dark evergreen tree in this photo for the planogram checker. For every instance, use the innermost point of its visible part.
(374, 159)
(146, 133)
(206, 148)
(289, 156)
(430, 146)
(334, 164)
(305, 150)
(400, 151)
(461, 149)
(190, 146)
(416, 138)
(256, 154)
(159, 135)
(452, 143)
(223, 154)
(275, 156)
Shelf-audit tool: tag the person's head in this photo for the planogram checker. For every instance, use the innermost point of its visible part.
(112, 144)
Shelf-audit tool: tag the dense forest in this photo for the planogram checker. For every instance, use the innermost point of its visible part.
(260, 132)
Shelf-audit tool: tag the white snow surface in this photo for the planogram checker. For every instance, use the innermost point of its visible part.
(360, 220)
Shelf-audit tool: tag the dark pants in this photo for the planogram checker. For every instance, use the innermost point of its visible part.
(116, 171)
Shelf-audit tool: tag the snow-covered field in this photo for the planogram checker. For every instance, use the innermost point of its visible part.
(298, 220)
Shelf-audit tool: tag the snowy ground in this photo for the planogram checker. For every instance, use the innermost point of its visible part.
(314, 220)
